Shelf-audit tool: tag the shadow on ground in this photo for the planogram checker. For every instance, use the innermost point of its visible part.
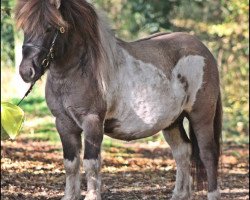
(34, 170)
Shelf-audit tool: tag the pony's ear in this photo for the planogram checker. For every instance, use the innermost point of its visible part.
(56, 3)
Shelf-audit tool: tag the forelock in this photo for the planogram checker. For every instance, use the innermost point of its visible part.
(34, 16)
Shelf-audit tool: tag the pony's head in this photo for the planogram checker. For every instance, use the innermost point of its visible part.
(39, 21)
(53, 23)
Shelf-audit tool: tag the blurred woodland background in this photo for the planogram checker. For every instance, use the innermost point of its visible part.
(221, 24)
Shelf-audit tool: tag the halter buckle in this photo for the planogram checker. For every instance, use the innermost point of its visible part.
(52, 55)
(45, 63)
(51, 52)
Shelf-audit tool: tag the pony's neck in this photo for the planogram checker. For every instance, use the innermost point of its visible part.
(101, 68)
(69, 60)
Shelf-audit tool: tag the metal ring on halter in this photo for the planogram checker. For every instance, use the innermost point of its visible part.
(45, 63)
(62, 29)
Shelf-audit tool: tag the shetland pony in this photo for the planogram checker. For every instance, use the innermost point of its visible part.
(98, 84)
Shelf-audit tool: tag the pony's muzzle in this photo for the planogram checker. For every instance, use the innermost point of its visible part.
(27, 73)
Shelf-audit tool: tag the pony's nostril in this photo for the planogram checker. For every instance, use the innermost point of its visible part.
(32, 72)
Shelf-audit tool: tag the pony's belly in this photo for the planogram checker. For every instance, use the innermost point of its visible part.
(142, 118)
(127, 130)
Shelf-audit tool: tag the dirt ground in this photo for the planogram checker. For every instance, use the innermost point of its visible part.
(33, 170)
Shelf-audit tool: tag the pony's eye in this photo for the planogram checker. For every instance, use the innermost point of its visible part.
(49, 29)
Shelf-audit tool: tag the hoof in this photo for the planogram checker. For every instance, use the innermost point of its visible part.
(93, 195)
(181, 197)
(71, 198)
(214, 195)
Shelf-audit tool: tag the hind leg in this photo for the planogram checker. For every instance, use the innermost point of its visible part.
(182, 151)
(204, 131)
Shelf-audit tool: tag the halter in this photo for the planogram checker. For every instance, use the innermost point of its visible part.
(47, 61)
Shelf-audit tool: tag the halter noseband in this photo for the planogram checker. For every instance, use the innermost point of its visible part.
(46, 62)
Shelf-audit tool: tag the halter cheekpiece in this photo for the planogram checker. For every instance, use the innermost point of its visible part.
(50, 52)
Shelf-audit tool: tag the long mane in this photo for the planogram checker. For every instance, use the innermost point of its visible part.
(78, 16)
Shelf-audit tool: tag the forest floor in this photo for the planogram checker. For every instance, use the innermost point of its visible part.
(33, 170)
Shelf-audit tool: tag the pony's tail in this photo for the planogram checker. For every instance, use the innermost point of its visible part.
(198, 170)
(218, 127)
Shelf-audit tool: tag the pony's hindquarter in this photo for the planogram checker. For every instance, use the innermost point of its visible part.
(205, 128)
(196, 157)
(205, 123)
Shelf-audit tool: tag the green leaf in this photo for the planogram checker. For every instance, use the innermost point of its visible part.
(4, 135)
(12, 118)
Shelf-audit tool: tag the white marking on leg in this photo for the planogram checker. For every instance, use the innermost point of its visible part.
(183, 185)
(215, 195)
(92, 168)
(93, 195)
(72, 189)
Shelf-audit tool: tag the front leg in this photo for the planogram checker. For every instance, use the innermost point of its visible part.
(93, 136)
(70, 136)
